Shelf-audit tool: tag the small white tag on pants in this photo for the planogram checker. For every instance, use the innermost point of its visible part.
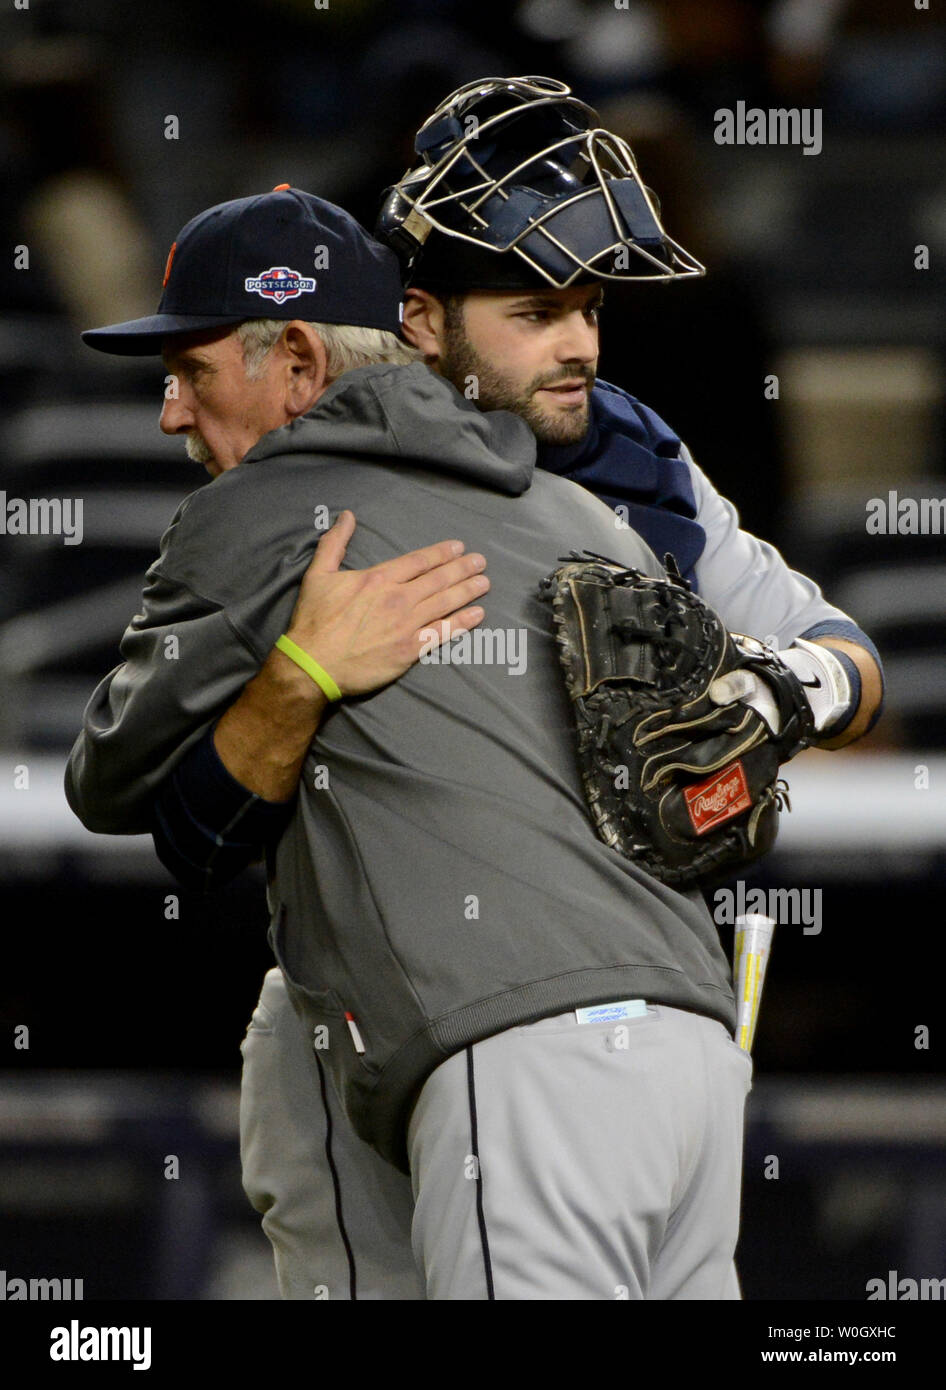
(610, 1013)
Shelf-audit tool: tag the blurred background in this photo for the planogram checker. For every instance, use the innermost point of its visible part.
(825, 272)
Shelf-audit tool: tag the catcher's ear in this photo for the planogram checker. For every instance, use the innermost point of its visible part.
(423, 324)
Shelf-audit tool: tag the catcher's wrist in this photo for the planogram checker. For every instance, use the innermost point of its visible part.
(831, 682)
(313, 670)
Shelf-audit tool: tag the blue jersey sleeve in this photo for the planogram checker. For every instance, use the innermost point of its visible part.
(206, 826)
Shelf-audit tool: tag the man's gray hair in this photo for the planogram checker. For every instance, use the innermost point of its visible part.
(346, 346)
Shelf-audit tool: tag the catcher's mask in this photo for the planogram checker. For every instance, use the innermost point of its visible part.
(517, 164)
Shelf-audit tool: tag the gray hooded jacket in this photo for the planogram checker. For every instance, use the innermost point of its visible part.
(441, 879)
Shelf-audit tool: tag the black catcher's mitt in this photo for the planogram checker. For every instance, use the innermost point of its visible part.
(686, 787)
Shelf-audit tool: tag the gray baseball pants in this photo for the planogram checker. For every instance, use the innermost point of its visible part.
(337, 1214)
(595, 1161)
(552, 1161)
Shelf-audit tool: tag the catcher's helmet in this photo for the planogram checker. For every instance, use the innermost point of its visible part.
(518, 164)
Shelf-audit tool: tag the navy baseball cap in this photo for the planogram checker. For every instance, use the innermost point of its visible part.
(279, 255)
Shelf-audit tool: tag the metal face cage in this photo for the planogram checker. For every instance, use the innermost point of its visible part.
(519, 164)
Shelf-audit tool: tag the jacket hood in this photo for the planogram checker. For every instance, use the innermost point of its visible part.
(412, 415)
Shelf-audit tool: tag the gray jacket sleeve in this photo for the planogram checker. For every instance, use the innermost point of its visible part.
(186, 657)
(746, 579)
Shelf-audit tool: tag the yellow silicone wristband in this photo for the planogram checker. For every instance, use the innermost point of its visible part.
(312, 668)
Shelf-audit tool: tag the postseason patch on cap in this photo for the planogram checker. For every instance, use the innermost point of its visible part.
(279, 283)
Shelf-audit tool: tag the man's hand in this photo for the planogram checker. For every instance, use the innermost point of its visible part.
(364, 627)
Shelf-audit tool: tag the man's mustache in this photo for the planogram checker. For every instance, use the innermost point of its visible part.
(197, 448)
(578, 372)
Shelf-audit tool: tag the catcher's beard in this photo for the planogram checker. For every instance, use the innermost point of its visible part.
(459, 360)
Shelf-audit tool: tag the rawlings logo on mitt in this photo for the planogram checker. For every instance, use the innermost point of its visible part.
(686, 787)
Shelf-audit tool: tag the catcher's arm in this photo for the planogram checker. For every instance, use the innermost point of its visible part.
(367, 626)
(682, 725)
(232, 794)
(753, 589)
(872, 690)
(839, 679)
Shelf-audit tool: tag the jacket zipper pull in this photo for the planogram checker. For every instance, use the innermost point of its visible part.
(355, 1035)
